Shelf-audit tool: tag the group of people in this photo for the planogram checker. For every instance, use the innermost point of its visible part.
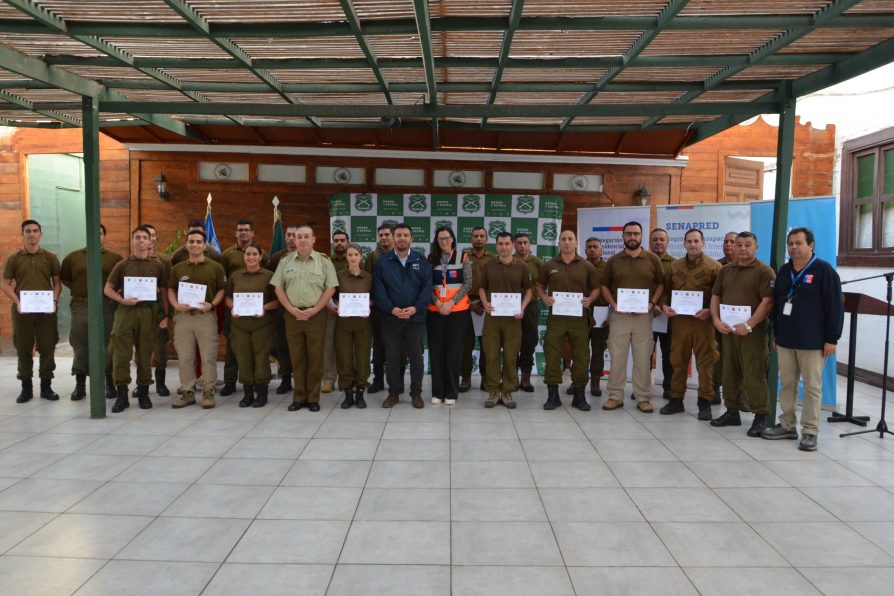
(327, 317)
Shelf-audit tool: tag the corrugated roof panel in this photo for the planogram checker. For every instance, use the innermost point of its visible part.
(266, 98)
(708, 42)
(678, 119)
(593, 8)
(386, 9)
(42, 45)
(207, 75)
(776, 72)
(346, 99)
(111, 10)
(469, 99)
(172, 47)
(552, 75)
(473, 44)
(324, 75)
(682, 74)
(469, 75)
(767, 7)
(154, 95)
(411, 75)
(313, 47)
(469, 8)
(526, 121)
(113, 72)
(272, 11)
(607, 121)
(632, 97)
(873, 6)
(564, 98)
(400, 46)
(837, 41)
(726, 95)
(554, 44)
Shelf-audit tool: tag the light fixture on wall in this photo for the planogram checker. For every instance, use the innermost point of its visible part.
(161, 186)
(642, 195)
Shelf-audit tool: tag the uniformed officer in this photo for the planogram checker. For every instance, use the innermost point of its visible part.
(531, 320)
(598, 335)
(253, 334)
(745, 282)
(160, 349)
(340, 241)
(633, 268)
(479, 255)
(501, 336)
(353, 335)
(729, 255)
(181, 254)
(136, 319)
(658, 240)
(281, 351)
(74, 277)
(305, 281)
(696, 272)
(233, 260)
(567, 272)
(33, 269)
(386, 243)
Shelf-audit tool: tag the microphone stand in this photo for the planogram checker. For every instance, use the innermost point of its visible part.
(882, 427)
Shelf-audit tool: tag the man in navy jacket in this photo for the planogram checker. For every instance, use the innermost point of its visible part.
(808, 317)
(403, 289)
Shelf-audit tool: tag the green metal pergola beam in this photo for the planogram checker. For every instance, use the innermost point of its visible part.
(667, 14)
(423, 27)
(515, 15)
(357, 30)
(29, 105)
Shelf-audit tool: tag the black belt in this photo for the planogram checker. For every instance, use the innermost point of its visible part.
(145, 304)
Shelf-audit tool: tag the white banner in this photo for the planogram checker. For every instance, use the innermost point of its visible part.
(606, 224)
(713, 220)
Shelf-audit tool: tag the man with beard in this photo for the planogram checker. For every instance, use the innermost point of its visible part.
(531, 319)
(479, 255)
(634, 268)
(386, 243)
(339, 259)
(281, 350)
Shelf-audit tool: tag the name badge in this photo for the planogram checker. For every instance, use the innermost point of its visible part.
(443, 292)
(787, 308)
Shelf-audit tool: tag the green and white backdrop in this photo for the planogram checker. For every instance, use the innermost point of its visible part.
(540, 216)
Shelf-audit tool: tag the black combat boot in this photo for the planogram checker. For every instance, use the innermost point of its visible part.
(260, 396)
(248, 396)
(285, 385)
(228, 389)
(160, 388)
(143, 397)
(80, 391)
(579, 401)
(348, 401)
(27, 392)
(110, 388)
(358, 398)
(46, 390)
(121, 400)
(553, 400)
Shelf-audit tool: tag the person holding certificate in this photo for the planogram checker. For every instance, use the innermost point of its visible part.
(744, 285)
(687, 301)
(632, 283)
(567, 284)
(505, 290)
(252, 302)
(448, 319)
(195, 288)
(353, 332)
(35, 273)
(138, 285)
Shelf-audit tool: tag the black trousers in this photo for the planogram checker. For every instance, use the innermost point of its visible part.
(667, 371)
(530, 336)
(445, 335)
(403, 337)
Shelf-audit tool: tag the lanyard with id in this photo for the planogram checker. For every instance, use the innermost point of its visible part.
(796, 280)
(444, 275)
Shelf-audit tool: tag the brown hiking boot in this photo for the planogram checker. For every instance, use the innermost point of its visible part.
(187, 398)
(207, 401)
(391, 400)
(416, 400)
(492, 400)
(612, 404)
(525, 383)
(508, 401)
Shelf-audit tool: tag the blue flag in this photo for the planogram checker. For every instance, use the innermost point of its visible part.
(210, 234)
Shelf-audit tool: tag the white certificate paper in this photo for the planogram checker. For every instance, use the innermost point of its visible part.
(353, 305)
(248, 304)
(633, 300)
(505, 305)
(600, 316)
(685, 302)
(141, 288)
(33, 301)
(191, 294)
(567, 304)
(734, 315)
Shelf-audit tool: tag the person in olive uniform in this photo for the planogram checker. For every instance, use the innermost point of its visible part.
(305, 281)
(531, 320)
(136, 320)
(658, 240)
(386, 243)
(74, 277)
(253, 334)
(745, 282)
(340, 242)
(33, 269)
(567, 272)
(729, 255)
(232, 261)
(501, 336)
(696, 272)
(479, 255)
(281, 350)
(195, 323)
(181, 254)
(633, 268)
(598, 335)
(160, 349)
(353, 335)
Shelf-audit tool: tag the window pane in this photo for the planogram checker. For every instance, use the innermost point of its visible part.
(863, 226)
(865, 176)
(888, 224)
(889, 172)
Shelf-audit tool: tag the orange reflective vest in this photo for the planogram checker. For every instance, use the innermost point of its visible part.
(447, 280)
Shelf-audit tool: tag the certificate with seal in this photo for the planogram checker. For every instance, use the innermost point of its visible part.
(191, 294)
(248, 304)
(633, 300)
(505, 304)
(734, 315)
(353, 305)
(36, 301)
(141, 288)
(568, 304)
(685, 302)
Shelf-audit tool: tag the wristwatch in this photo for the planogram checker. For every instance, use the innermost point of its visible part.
(749, 327)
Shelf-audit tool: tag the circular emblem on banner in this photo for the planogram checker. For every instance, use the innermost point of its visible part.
(390, 222)
(471, 203)
(363, 202)
(417, 203)
(341, 175)
(339, 225)
(525, 204)
(444, 223)
(419, 250)
(548, 232)
(365, 250)
(496, 227)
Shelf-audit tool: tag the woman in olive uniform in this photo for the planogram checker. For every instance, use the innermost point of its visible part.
(253, 336)
(353, 335)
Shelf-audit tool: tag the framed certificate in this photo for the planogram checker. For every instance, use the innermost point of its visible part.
(141, 288)
(34, 301)
(685, 302)
(568, 304)
(191, 294)
(734, 315)
(248, 304)
(505, 304)
(353, 305)
(633, 300)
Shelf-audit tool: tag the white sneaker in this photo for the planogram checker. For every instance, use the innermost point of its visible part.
(437, 401)
(450, 402)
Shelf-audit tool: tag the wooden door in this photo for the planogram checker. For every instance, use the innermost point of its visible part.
(743, 180)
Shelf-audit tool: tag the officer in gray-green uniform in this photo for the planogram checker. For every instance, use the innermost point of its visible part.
(531, 320)
(136, 320)
(36, 270)
(232, 260)
(281, 349)
(160, 349)
(74, 277)
(253, 335)
(353, 335)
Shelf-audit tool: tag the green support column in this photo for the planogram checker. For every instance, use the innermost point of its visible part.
(90, 106)
(785, 146)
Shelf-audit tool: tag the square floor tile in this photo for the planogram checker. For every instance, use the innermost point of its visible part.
(727, 581)
(879, 472)
(710, 545)
(119, 444)
(55, 444)
(879, 533)
(823, 544)
(654, 475)
(763, 450)
(682, 505)
(610, 544)
(490, 474)
(409, 474)
(406, 580)
(629, 430)
(705, 450)
(8, 439)
(340, 449)
(636, 450)
(414, 449)
(589, 504)
(185, 539)
(270, 580)
(15, 526)
(496, 504)
(149, 578)
(246, 471)
(327, 473)
(486, 450)
(193, 446)
(350, 429)
(565, 451)
(621, 581)
(735, 474)
(548, 430)
(847, 582)
(591, 474)
(266, 448)
(511, 581)
(291, 541)
(44, 576)
(483, 430)
(45, 494)
(277, 425)
(166, 469)
(816, 473)
(215, 500)
(215, 426)
(496, 543)
(397, 543)
(404, 504)
(311, 502)
(82, 536)
(852, 503)
(417, 430)
(82, 466)
(22, 465)
(130, 498)
(773, 505)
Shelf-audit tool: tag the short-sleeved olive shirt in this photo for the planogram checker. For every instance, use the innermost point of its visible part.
(248, 281)
(369, 265)
(599, 265)
(32, 272)
(134, 267)
(513, 277)
(233, 259)
(276, 257)
(354, 284)
(477, 264)
(208, 273)
(181, 254)
(304, 280)
(339, 264)
(696, 275)
(74, 269)
(534, 264)
(577, 276)
(744, 285)
(642, 272)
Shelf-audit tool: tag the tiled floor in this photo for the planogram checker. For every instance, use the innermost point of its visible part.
(459, 500)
